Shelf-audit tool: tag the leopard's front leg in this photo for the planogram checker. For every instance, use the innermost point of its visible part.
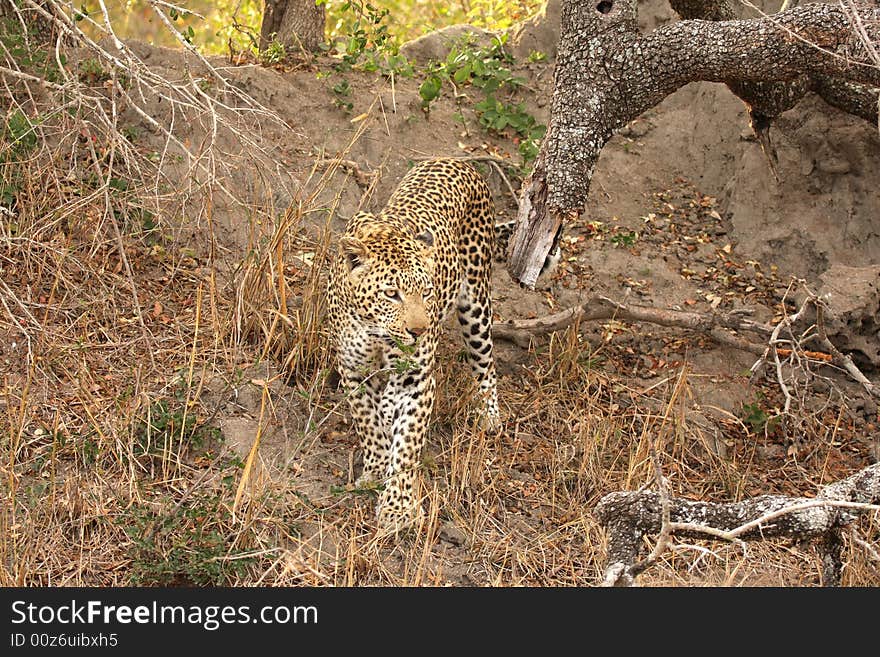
(364, 394)
(409, 401)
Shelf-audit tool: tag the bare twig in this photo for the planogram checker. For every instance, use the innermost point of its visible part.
(872, 552)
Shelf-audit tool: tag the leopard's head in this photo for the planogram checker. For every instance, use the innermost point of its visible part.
(390, 277)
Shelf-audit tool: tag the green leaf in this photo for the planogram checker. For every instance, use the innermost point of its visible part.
(430, 89)
(118, 184)
(485, 105)
(491, 85)
(462, 74)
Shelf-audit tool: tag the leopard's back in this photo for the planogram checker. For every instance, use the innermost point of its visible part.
(449, 198)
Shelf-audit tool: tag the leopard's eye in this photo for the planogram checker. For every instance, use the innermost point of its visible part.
(393, 294)
(428, 293)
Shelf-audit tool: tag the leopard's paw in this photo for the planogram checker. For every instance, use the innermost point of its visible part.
(395, 516)
(491, 422)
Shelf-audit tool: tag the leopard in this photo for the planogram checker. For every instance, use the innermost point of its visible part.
(395, 277)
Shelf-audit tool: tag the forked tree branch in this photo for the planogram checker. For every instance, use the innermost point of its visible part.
(608, 74)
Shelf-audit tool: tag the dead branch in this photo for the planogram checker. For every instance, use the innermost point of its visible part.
(839, 358)
(598, 308)
(203, 97)
(816, 331)
(719, 326)
(629, 516)
(773, 346)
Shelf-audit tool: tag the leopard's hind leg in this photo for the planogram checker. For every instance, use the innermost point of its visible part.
(474, 306)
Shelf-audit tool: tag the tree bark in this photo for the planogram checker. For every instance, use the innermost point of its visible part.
(608, 74)
(297, 24)
(629, 516)
(767, 100)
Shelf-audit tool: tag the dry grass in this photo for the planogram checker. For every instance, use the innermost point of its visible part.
(115, 472)
(135, 336)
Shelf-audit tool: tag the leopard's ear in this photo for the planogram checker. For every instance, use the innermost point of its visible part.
(355, 255)
(426, 240)
(426, 237)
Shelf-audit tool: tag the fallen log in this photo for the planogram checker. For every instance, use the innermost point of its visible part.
(629, 516)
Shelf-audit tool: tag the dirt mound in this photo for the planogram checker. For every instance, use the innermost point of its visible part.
(821, 211)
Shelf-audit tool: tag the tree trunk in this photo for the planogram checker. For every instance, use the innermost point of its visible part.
(297, 24)
(608, 74)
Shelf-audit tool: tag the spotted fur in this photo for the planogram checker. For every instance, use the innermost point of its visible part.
(395, 277)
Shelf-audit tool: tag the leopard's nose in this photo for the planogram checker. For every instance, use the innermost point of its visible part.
(416, 332)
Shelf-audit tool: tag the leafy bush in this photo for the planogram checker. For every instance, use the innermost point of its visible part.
(487, 69)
